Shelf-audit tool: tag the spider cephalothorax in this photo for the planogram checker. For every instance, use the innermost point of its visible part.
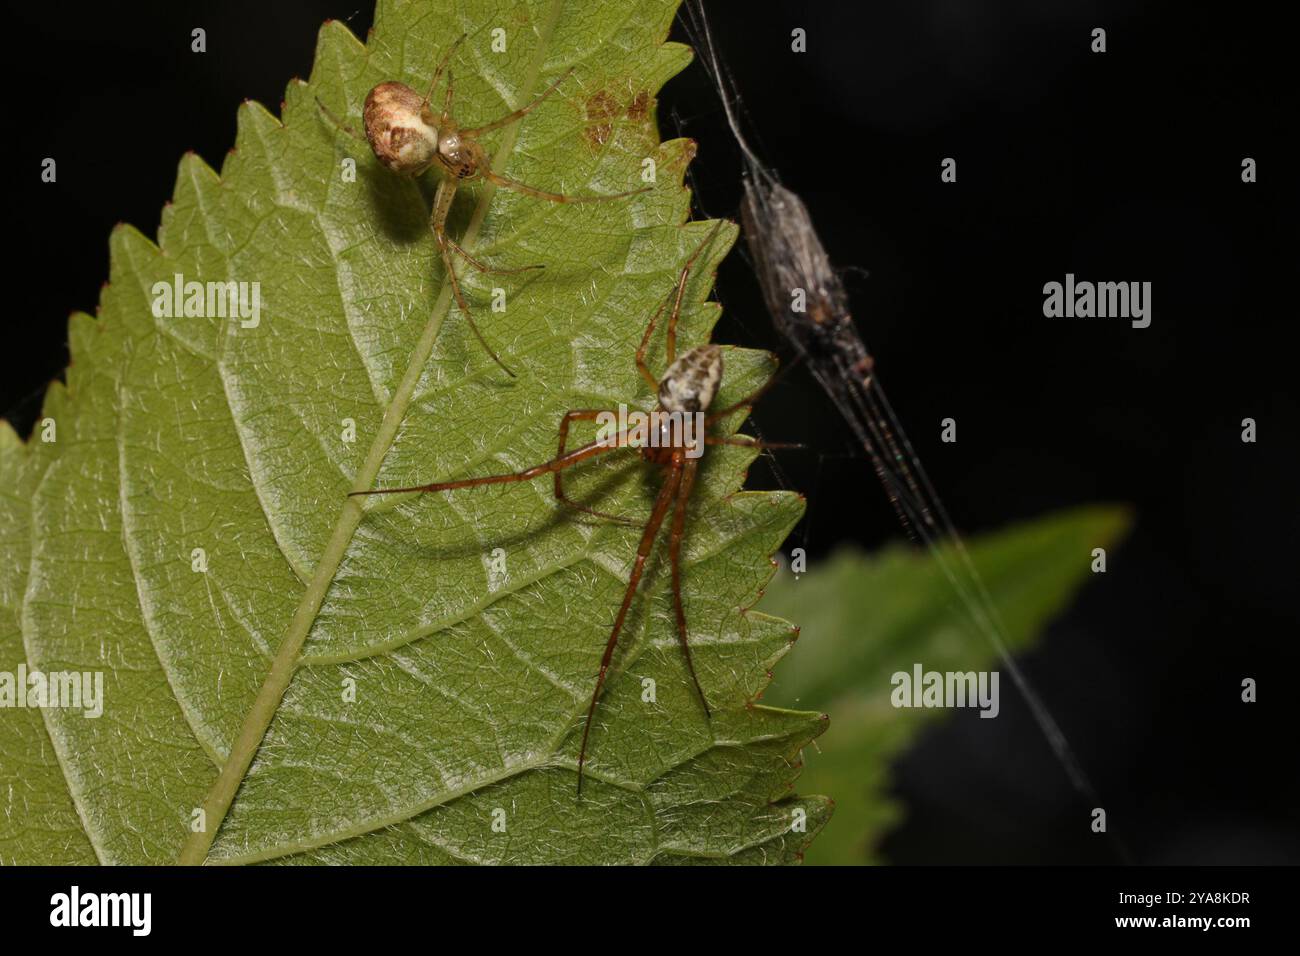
(459, 155)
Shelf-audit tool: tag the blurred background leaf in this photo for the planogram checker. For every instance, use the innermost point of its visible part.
(864, 617)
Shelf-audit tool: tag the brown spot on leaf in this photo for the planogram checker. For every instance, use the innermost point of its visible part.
(601, 109)
(638, 109)
(601, 106)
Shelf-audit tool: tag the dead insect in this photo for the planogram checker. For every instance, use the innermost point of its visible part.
(409, 138)
(672, 437)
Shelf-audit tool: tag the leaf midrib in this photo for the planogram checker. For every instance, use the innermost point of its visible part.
(221, 796)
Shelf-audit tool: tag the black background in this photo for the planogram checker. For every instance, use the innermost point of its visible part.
(1119, 166)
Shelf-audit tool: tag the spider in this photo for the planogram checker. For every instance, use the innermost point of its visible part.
(666, 440)
(408, 138)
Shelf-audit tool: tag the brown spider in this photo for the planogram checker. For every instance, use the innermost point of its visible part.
(409, 138)
(672, 437)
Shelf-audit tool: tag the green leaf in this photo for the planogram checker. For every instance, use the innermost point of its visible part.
(865, 618)
(192, 442)
(40, 820)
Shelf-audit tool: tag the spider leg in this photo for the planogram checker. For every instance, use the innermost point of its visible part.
(446, 101)
(508, 183)
(758, 393)
(666, 495)
(671, 345)
(519, 113)
(740, 441)
(438, 219)
(560, 462)
(483, 266)
(675, 559)
(745, 402)
(680, 290)
(585, 415)
(641, 365)
(329, 115)
(437, 73)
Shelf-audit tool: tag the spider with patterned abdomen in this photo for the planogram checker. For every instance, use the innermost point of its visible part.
(409, 138)
(687, 388)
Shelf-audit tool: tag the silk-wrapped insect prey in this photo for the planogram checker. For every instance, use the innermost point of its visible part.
(408, 137)
(803, 292)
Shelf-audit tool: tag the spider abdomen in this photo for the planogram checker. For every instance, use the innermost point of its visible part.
(399, 128)
(692, 381)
